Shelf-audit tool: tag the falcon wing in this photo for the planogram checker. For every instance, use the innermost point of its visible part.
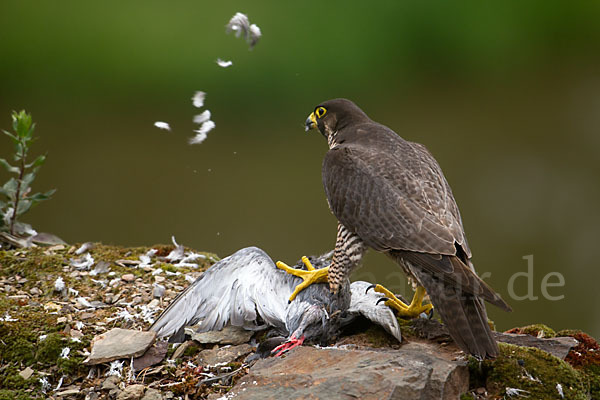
(237, 290)
(393, 194)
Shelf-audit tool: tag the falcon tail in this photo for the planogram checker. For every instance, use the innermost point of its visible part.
(466, 319)
(458, 296)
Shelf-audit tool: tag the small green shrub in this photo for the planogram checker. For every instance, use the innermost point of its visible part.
(18, 198)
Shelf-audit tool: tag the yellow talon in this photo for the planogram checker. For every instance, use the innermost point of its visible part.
(309, 277)
(414, 309)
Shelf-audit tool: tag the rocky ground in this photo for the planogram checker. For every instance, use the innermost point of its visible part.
(71, 316)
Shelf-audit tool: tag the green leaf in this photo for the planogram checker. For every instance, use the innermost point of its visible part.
(27, 180)
(13, 137)
(41, 196)
(20, 150)
(10, 189)
(22, 124)
(24, 206)
(38, 162)
(8, 167)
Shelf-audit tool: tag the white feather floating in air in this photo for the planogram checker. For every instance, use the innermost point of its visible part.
(198, 99)
(162, 125)
(240, 24)
(202, 117)
(253, 35)
(223, 63)
(201, 134)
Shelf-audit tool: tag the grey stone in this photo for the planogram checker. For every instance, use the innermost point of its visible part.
(152, 394)
(181, 349)
(131, 392)
(558, 346)
(158, 291)
(306, 372)
(228, 335)
(155, 354)
(110, 383)
(223, 355)
(92, 396)
(119, 343)
(101, 268)
(26, 373)
(68, 392)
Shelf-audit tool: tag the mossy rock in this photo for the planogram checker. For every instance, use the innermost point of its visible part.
(532, 370)
(537, 330)
(21, 345)
(585, 357)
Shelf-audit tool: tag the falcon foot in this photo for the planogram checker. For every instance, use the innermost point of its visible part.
(413, 310)
(287, 346)
(309, 277)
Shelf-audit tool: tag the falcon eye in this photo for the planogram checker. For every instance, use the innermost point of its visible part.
(320, 111)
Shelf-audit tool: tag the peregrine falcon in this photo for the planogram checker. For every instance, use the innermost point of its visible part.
(390, 195)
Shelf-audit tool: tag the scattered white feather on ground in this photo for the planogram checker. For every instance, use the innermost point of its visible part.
(8, 318)
(59, 384)
(116, 367)
(198, 99)
(59, 284)
(45, 384)
(224, 63)
(85, 247)
(84, 302)
(176, 253)
(146, 259)
(510, 392)
(202, 117)
(65, 352)
(560, 390)
(83, 263)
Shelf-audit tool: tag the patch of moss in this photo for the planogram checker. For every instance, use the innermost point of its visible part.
(585, 357)
(529, 369)
(39, 268)
(6, 394)
(15, 348)
(537, 330)
(191, 351)
(71, 365)
(375, 336)
(50, 348)
(467, 396)
(406, 328)
(168, 267)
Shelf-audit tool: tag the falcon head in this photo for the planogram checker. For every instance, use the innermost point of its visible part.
(333, 115)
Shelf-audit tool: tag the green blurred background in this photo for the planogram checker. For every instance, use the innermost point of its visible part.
(506, 95)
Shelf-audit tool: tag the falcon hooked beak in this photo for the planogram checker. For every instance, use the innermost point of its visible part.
(311, 122)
